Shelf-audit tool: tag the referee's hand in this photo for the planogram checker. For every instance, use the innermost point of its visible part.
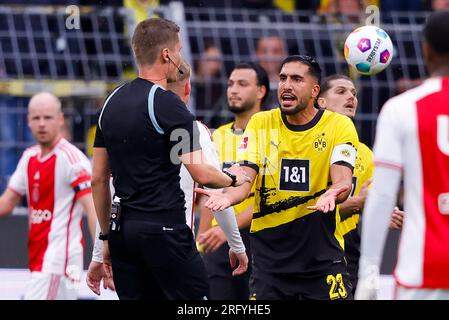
(243, 262)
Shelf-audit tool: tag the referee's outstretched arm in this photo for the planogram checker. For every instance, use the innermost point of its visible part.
(207, 175)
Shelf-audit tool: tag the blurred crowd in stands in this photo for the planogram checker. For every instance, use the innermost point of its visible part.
(333, 6)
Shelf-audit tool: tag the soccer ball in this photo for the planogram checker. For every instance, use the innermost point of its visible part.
(368, 49)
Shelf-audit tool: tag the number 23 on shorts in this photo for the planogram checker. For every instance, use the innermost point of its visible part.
(337, 288)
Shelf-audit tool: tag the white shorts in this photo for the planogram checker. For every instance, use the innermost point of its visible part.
(402, 293)
(47, 286)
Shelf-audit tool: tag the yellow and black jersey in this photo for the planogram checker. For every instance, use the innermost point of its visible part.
(363, 170)
(293, 164)
(227, 140)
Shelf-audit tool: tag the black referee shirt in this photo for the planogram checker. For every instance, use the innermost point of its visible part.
(139, 147)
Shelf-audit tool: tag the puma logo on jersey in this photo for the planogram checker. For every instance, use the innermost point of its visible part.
(38, 216)
(37, 175)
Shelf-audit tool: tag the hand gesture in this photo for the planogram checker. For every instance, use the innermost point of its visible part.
(217, 199)
(243, 262)
(326, 203)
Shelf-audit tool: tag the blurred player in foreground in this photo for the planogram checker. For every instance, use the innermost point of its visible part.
(413, 138)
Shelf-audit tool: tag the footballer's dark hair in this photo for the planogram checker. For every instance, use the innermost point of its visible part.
(436, 31)
(261, 74)
(314, 67)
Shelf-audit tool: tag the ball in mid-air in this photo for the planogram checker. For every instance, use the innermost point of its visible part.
(368, 49)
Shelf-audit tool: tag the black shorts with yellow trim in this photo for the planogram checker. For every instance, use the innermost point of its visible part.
(332, 285)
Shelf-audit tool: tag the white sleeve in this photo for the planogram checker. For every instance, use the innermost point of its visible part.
(208, 146)
(18, 181)
(375, 220)
(228, 223)
(387, 175)
(226, 218)
(97, 252)
(389, 142)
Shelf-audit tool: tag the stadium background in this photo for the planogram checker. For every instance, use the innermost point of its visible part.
(82, 52)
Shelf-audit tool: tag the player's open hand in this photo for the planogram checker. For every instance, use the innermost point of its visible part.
(326, 203)
(217, 200)
(242, 258)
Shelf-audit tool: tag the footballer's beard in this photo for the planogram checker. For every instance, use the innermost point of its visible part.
(245, 106)
(302, 104)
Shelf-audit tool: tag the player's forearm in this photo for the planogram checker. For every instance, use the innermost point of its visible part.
(344, 195)
(8, 202)
(377, 213)
(244, 218)
(213, 178)
(89, 209)
(206, 216)
(350, 205)
(5, 207)
(102, 201)
(238, 194)
(97, 250)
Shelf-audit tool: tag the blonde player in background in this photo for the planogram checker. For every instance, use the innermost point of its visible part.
(55, 177)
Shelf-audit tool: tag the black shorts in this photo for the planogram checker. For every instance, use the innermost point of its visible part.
(157, 262)
(332, 285)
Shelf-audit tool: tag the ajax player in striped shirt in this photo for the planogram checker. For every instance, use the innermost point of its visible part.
(55, 177)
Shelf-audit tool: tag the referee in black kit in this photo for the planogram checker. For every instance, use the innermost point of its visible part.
(143, 134)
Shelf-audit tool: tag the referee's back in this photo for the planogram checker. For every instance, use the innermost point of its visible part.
(136, 123)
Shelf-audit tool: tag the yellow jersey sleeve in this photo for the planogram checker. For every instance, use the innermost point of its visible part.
(248, 152)
(346, 143)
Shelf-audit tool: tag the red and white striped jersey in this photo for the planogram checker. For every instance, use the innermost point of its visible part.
(413, 135)
(53, 184)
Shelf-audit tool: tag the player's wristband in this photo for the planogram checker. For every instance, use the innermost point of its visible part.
(102, 236)
(232, 176)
